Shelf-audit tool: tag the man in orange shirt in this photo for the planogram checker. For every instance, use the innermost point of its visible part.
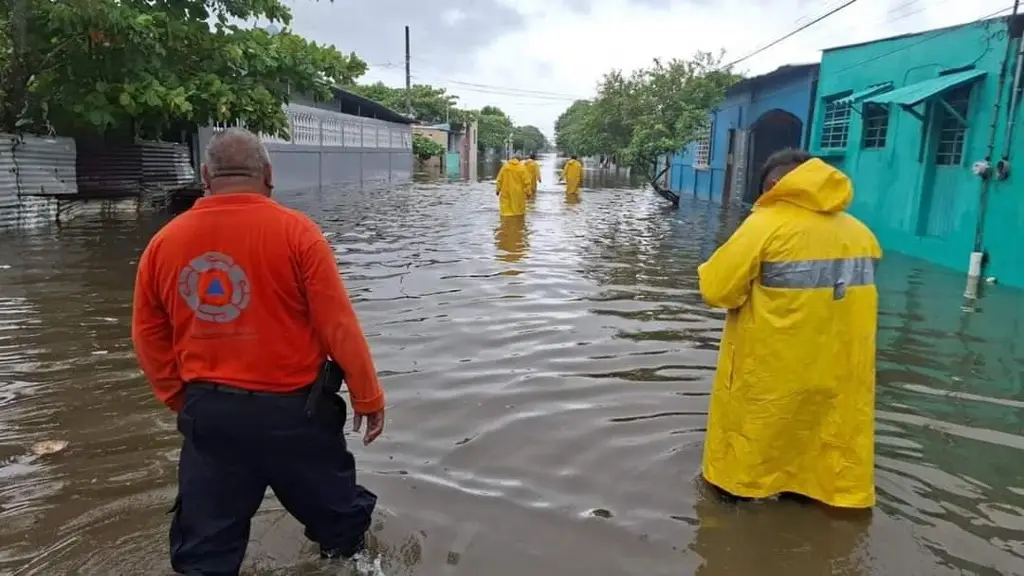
(238, 303)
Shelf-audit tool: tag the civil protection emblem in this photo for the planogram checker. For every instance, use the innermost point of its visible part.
(214, 287)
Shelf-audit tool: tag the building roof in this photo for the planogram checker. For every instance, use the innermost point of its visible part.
(356, 105)
(781, 73)
(1016, 23)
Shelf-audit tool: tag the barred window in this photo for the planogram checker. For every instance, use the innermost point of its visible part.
(835, 124)
(951, 129)
(702, 155)
(876, 125)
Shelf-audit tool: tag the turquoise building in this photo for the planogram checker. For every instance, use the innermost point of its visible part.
(924, 126)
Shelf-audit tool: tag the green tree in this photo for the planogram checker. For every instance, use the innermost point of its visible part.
(494, 128)
(107, 64)
(430, 104)
(650, 113)
(528, 139)
(424, 148)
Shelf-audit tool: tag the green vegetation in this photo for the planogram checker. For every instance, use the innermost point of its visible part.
(430, 104)
(650, 113)
(424, 148)
(144, 68)
(150, 66)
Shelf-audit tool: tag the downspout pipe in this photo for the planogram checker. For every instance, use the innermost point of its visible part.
(977, 256)
(1011, 120)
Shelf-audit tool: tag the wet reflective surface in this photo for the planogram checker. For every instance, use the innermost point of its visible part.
(547, 384)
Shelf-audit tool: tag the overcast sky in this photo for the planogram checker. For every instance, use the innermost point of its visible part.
(533, 57)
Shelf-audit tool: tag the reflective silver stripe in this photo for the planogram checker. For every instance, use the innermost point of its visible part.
(838, 274)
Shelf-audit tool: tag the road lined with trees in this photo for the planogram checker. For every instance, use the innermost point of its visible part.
(640, 117)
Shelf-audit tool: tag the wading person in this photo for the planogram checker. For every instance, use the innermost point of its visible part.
(238, 303)
(572, 173)
(533, 168)
(793, 402)
(512, 186)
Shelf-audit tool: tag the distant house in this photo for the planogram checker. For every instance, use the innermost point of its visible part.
(907, 118)
(760, 115)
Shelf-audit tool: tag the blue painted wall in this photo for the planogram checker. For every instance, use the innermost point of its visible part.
(786, 89)
(914, 205)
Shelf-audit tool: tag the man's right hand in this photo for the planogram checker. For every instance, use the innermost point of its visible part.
(374, 425)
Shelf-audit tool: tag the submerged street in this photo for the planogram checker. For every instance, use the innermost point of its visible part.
(547, 389)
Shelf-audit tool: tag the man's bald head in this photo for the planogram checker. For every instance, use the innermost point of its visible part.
(236, 161)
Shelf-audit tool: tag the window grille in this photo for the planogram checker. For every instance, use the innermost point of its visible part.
(876, 125)
(702, 155)
(835, 125)
(950, 149)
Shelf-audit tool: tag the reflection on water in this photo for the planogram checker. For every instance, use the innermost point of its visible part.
(548, 382)
(511, 239)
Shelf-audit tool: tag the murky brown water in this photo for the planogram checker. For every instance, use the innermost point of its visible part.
(547, 399)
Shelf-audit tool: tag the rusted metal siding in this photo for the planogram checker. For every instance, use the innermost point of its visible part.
(106, 171)
(34, 171)
(166, 164)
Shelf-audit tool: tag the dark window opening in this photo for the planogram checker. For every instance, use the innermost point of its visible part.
(876, 125)
(951, 128)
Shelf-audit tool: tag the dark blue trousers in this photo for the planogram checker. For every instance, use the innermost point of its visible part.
(235, 445)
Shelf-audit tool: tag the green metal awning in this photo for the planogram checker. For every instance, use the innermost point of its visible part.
(865, 93)
(916, 93)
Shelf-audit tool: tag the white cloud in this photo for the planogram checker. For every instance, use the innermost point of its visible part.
(534, 72)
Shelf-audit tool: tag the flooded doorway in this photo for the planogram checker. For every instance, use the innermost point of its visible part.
(775, 130)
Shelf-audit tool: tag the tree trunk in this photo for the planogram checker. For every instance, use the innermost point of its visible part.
(14, 103)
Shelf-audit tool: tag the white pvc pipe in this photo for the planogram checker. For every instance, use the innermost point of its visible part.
(974, 269)
(973, 275)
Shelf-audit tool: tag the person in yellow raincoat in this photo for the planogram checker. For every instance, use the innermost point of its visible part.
(534, 170)
(511, 186)
(793, 402)
(572, 173)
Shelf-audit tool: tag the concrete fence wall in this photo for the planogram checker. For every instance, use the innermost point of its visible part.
(329, 148)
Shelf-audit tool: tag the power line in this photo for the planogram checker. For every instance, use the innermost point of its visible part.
(790, 34)
(928, 37)
(495, 89)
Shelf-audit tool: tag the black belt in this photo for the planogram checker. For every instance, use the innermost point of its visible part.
(228, 389)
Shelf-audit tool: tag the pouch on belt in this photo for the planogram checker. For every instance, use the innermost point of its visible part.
(325, 389)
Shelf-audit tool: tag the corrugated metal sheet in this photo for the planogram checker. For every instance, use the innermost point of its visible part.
(37, 166)
(166, 164)
(914, 94)
(106, 171)
(34, 171)
(46, 166)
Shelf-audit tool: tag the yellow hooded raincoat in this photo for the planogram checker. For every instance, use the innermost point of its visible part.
(512, 185)
(533, 168)
(572, 173)
(792, 408)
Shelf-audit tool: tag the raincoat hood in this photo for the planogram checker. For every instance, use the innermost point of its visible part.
(813, 185)
(513, 162)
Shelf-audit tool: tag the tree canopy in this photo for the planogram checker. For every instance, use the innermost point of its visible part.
(649, 113)
(430, 104)
(103, 64)
(424, 148)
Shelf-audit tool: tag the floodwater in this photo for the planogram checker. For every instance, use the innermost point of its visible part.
(547, 387)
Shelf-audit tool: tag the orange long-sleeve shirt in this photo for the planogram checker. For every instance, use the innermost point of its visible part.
(243, 291)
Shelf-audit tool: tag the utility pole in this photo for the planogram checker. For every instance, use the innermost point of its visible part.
(408, 77)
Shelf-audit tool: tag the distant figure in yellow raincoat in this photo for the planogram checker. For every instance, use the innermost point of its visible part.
(572, 173)
(512, 185)
(793, 403)
(533, 168)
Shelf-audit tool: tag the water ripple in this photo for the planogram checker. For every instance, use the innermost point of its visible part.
(548, 387)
